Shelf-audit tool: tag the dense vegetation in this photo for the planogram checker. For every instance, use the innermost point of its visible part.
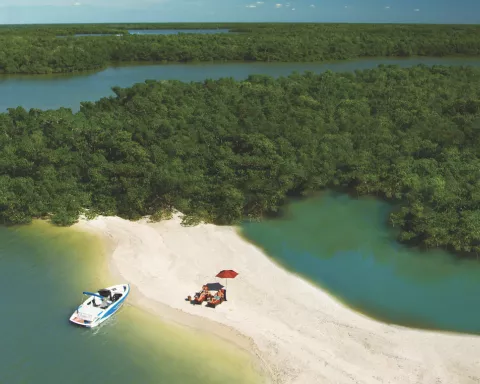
(36, 49)
(225, 150)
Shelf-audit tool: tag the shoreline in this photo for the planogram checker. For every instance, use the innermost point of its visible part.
(177, 317)
(298, 333)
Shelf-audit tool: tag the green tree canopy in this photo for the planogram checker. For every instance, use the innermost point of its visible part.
(39, 49)
(226, 150)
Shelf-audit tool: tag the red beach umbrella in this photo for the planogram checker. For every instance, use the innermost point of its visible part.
(227, 274)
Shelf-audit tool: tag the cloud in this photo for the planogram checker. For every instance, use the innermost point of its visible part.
(76, 4)
(251, 6)
(416, 10)
(312, 6)
(387, 7)
(260, 2)
(293, 9)
(278, 5)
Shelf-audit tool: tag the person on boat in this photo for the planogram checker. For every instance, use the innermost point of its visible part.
(97, 302)
(105, 303)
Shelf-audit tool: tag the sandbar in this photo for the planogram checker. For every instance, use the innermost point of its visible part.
(299, 333)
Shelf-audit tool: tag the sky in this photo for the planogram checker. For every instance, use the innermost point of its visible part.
(356, 11)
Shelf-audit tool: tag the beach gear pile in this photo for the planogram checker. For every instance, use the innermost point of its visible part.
(213, 293)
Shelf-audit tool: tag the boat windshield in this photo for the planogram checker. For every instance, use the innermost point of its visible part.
(104, 293)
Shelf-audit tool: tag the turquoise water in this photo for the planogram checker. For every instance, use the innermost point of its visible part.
(43, 271)
(345, 246)
(67, 90)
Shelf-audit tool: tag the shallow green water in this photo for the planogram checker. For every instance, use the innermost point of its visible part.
(343, 245)
(66, 90)
(43, 271)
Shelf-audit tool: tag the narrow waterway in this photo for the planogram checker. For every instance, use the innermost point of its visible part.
(176, 31)
(67, 90)
(156, 32)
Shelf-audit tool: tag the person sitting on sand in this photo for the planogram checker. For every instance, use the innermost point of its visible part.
(203, 294)
(218, 295)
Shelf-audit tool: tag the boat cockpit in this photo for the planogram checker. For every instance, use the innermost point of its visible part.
(108, 298)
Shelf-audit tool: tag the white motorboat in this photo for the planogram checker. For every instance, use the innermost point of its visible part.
(100, 305)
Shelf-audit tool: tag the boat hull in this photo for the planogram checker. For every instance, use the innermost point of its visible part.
(104, 315)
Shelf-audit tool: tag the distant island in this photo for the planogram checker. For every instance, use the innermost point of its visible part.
(38, 49)
(223, 151)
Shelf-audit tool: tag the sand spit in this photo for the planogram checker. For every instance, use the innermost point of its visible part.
(300, 334)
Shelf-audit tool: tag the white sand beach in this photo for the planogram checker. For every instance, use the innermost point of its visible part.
(300, 333)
